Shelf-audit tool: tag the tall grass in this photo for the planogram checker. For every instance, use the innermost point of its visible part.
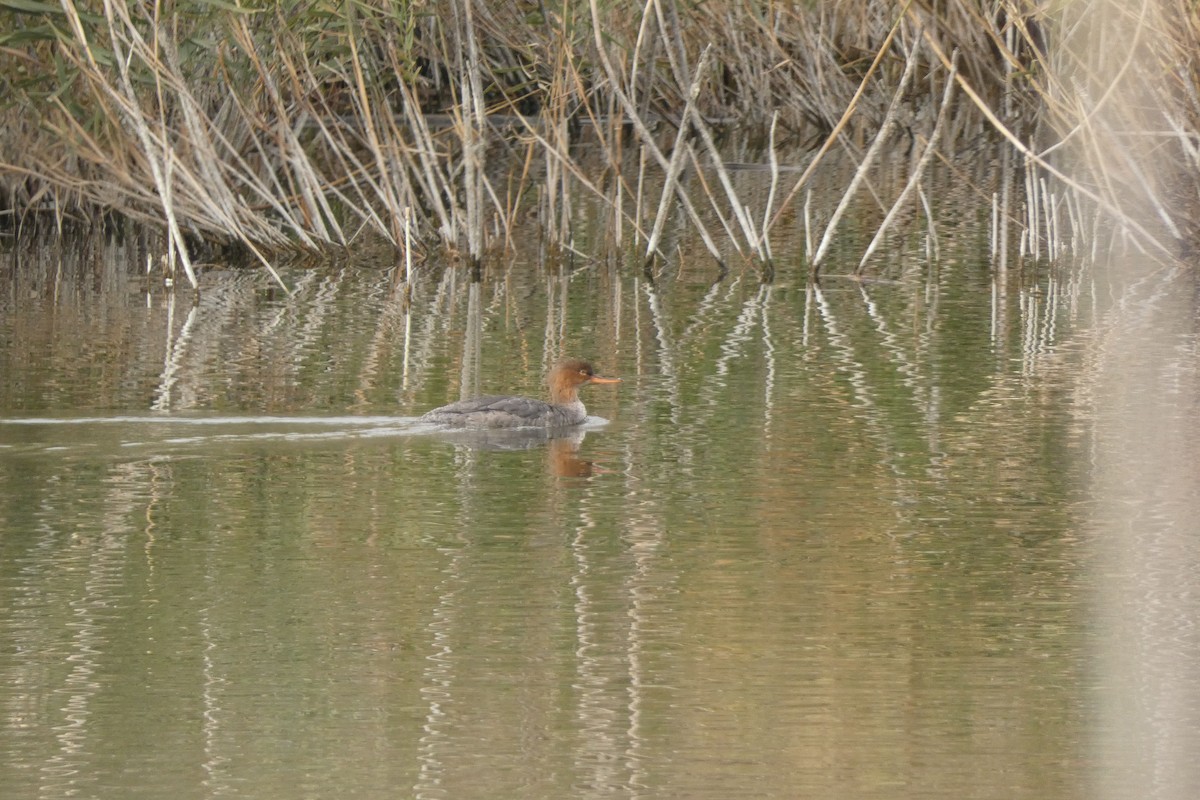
(306, 126)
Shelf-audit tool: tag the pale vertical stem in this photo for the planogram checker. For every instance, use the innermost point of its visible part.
(932, 226)
(995, 232)
(639, 201)
(1005, 204)
(1048, 214)
(773, 155)
(808, 229)
(1032, 210)
(473, 122)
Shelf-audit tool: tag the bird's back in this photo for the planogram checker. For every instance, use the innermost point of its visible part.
(506, 412)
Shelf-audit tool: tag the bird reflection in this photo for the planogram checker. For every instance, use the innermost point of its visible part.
(564, 458)
(562, 445)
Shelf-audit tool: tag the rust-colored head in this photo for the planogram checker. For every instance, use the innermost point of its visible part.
(569, 375)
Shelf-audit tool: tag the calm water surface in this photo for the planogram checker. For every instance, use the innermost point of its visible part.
(924, 538)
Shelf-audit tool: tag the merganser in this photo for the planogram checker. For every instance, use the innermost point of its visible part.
(563, 410)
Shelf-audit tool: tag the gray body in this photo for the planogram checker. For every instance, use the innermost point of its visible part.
(508, 412)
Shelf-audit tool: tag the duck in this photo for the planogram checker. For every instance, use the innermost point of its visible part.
(563, 410)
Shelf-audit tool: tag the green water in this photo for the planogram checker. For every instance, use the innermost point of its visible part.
(832, 543)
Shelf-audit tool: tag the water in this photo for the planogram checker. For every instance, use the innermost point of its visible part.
(860, 542)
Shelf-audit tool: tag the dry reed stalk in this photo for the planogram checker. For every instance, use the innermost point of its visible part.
(643, 131)
(842, 122)
(809, 246)
(152, 146)
(198, 191)
(674, 167)
(749, 232)
(435, 184)
(932, 249)
(309, 149)
(1030, 237)
(915, 179)
(391, 199)
(471, 121)
(773, 162)
(1107, 201)
(304, 179)
(408, 298)
(867, 162)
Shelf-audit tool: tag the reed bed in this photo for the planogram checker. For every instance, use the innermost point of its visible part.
(296, 126)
